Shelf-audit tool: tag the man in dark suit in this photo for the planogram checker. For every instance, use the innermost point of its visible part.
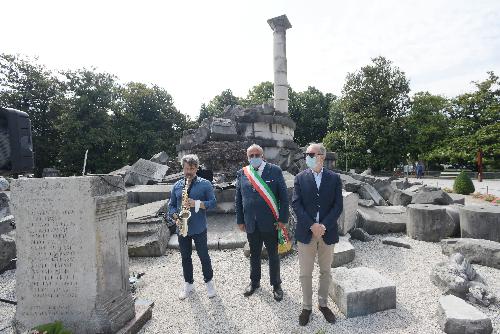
(317, 202)
(261, 202)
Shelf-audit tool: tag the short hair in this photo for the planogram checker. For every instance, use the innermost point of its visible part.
(190, 159)
(321, 148)
(255, 146)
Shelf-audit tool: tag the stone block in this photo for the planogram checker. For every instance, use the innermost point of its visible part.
(367, 191)
(72, 256)
(144, 171)
(361, 235)
(348, 218)
(361, 291)
(349, 183)
(4, 205)
(401, 197)
(429, 196)
(147, 237)
(457, 198)
(343, 253)
(160, 158)
(384, 188)
(458, 317)
(367, 203)
(375, 221)
(428, 222)
(480, 222)
(480, 251)
(150, 210)
(144, 194)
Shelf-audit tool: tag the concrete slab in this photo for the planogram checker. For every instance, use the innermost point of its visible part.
(382, 221)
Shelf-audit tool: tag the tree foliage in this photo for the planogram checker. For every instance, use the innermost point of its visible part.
(373, 106)
(215, 108)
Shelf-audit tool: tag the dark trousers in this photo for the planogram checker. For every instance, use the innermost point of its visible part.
(270, 240)
(186, 248)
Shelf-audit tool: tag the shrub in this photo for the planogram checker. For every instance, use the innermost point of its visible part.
(463, 184)
(489, 198)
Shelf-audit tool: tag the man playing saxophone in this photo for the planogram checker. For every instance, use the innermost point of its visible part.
(189, 200)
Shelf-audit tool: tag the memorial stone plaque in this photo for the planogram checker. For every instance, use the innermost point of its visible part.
(72, 255)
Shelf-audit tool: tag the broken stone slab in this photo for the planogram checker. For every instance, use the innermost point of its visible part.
(480, 251)
(51, 172)
(401, 197)
(222, 129)
(149, 210)
(148, 237)
(375, 221)
(160, 158)
(361, 291)
(7, 224)
(367, 191)
(366, 203)
(172, 178)
(398, 242)
(144, 194)
(480, 222)
(348, 218)
(361, 235)
(429, 222)
(143, 313)
(458, 317)
(343, 252)
(457, 198)
(430, 196)
(121, 172)
(144, 172)
(7, 248)
(349, 183)
(415, 188)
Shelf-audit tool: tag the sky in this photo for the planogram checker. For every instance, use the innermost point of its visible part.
(197, 49)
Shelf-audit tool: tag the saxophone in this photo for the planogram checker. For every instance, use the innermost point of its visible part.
(185, 212)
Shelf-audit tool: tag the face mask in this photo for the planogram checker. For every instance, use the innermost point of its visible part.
(255, 162)
(311, 162)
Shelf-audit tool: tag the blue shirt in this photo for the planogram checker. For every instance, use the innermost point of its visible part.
(317, 179)
(201, 190)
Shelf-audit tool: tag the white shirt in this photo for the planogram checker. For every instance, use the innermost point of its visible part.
(317, 178)
(261, 168)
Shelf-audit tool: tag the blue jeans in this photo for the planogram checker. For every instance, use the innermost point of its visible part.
(186, 248)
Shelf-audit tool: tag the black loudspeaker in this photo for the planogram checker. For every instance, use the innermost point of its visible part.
(16, 146)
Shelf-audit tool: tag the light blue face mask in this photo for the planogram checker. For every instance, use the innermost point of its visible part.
(255, 162)
(311, 162)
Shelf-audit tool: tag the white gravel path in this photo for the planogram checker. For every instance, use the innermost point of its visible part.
(230, 312)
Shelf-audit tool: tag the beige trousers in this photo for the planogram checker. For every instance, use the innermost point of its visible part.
(307, 256)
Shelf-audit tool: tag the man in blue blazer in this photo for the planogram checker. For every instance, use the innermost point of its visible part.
(317, 203)
(261, 202)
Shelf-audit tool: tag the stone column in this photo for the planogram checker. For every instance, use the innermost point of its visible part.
(279, 25)
(72, 253)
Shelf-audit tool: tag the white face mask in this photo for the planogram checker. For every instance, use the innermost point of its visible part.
(311, 162)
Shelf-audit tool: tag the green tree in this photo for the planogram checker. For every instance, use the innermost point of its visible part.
(474, 123)
(259, 94)
(374, 103)
(310, 110)
(147, 122)
(215, 108)
(32, 88)
(426, 123)
(86, 124)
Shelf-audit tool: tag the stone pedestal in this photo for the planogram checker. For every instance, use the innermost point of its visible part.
(72, 254)
(361, 291)
(480, 222)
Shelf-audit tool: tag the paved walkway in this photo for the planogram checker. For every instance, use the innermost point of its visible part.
(487, 186)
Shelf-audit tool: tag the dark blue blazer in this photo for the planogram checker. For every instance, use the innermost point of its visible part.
(307, 200)
(251, 209)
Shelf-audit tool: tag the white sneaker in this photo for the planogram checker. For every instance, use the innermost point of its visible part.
(186, 290)
(211, 289)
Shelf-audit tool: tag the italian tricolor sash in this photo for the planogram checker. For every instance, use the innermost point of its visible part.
(263, 189)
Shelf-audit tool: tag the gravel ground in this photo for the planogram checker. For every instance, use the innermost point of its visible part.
(230, 312)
